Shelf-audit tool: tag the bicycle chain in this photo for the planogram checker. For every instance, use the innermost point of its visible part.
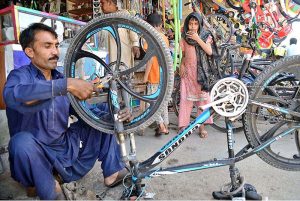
(269, 116)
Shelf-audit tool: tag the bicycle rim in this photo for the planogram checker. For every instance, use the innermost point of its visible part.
(83, 62)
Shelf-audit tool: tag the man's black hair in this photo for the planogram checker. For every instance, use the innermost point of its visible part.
(154, 19)
(293, 41)
(28, 34)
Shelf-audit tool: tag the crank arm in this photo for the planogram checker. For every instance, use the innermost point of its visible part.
(222, 100)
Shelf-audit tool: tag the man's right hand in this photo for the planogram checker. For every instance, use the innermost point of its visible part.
(80, 88)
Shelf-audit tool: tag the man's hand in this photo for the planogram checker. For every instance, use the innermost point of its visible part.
(136, 51)
(125, 115)
(80, 88)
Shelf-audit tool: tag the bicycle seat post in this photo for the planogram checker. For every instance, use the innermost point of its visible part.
(245, 66)
(234, 172)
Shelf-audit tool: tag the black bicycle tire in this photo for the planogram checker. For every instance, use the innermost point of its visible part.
(164, 54)
(227, 22)
(175, 99)
(250, 133)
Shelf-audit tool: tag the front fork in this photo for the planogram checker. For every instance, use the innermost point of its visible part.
(121, 135)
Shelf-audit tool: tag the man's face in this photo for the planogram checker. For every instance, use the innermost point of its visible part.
(107, 6)
(44, 52)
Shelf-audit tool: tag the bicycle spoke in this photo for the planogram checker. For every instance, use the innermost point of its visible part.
(141, 64)
(133, 93)
(83, 54)
(118, 42)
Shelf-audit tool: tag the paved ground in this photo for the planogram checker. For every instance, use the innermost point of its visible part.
(271, 183)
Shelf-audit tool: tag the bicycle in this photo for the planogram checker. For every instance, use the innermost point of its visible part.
(229, 63)
(230, 99)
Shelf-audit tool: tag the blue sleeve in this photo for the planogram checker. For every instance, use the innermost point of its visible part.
(21, 87)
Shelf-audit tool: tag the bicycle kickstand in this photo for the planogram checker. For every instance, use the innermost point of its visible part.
(237, 189)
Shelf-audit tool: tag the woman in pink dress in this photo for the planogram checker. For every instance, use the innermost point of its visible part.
(191, 88)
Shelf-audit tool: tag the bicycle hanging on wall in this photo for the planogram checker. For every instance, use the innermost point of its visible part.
(273, 99)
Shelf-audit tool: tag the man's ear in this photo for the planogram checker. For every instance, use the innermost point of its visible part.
(29, 52)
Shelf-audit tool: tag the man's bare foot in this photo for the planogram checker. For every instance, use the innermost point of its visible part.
(110, 179)
(116, 178)
(59, 192)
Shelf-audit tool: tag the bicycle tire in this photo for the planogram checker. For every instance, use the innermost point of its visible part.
(224, 37)
(176, 100)
(255, 128)
(111, 23)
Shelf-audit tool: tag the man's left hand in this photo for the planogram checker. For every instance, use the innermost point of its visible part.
(125, 115)
(136, 51)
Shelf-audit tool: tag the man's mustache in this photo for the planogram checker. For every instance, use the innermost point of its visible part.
(54, 58)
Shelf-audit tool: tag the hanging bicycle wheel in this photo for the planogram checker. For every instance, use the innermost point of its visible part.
(289, 8)
(222, 27)
(235, 4)
(277, 86)
(87, 59)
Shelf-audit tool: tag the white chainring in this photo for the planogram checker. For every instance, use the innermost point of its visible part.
(237, 94)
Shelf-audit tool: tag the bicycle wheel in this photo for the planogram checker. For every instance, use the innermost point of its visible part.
(278, 85)
(222, 26)
(82, 61)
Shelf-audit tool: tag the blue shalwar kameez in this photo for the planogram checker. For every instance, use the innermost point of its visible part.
(40, 138)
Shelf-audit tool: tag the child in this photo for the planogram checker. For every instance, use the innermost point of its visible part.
(191, 86)
(152, 78)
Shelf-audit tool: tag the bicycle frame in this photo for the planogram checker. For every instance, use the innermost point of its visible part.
(146, 169)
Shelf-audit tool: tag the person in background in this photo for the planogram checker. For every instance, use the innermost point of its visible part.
(152, 77)
(38, 109)
(129, 39)
(190, 90)
(293, 48)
